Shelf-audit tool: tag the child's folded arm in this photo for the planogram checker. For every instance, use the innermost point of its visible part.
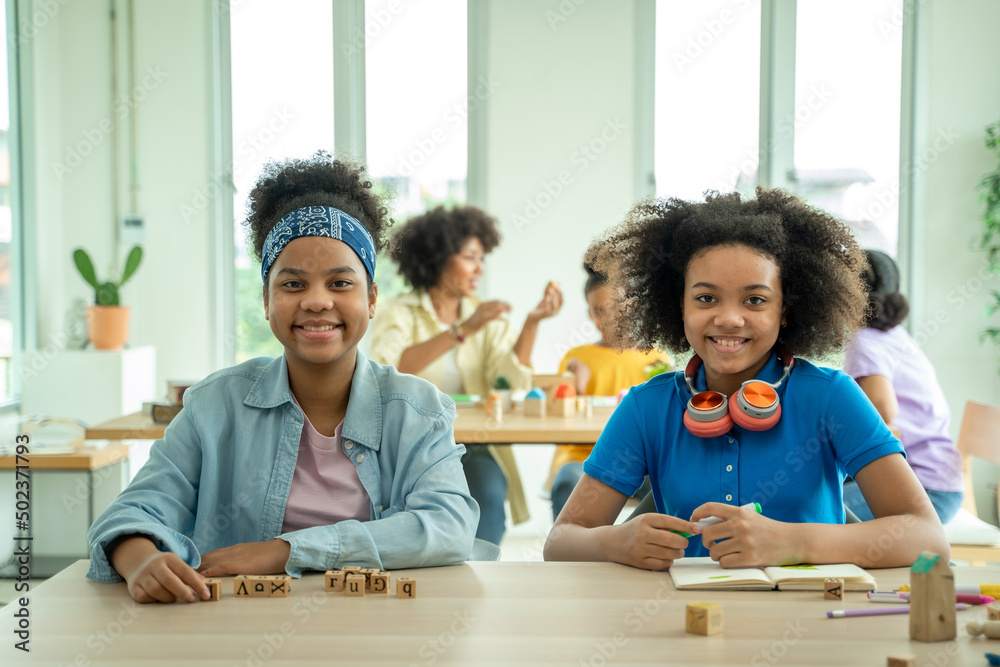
(435, 525)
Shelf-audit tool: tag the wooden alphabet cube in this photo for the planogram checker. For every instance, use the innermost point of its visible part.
(833, 589)
(351, 569)
(214, 588)
(334, 581)
(380, 583)
(704, 618)
(406, 587)
(902, 660)
(564, 407)
(259, 587)
(368, 572)
(993, 611)
(355, 585)
(241, 586)
(278, 585)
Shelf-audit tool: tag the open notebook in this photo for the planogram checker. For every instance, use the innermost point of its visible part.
(705, 573)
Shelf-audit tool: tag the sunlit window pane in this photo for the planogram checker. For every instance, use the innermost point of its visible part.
(282, 83)
(848, 66)
(6, 225)
(707, 96)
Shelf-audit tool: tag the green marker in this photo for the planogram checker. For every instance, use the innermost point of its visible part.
(712, 520)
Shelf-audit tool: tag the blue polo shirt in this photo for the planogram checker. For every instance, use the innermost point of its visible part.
(796, 470)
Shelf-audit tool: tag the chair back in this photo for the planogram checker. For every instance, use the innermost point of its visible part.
(979, 436)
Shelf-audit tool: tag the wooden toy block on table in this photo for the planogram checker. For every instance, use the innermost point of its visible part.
(932, 599)
(262, 586)
(368, 572)
(355, 585)
(993, 611)
(901, 660)
(703, 618)
(990, 628)
(406, 587)
(279, 585)
(334, 581)
(214, 588)
(494, 407)
(534, 403)
(833, 589)
(380, 583)
(564, 402)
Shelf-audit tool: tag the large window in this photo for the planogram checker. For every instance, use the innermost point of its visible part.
(707, 96)
(282, 101)
(840, 125)
(7, 315)
(848, 77)
(417, 106)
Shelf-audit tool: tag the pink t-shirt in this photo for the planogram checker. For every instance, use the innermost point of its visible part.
(325, 487)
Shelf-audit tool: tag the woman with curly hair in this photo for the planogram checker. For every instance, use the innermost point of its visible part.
(899, 379)
(748, 286)
(314, 460)
(442, 332)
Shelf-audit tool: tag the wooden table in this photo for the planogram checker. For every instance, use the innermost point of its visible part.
(505, 613)
(471, 426)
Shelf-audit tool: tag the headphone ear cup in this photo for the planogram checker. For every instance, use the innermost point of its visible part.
(708, 429)
(753, 423)
(707, 414)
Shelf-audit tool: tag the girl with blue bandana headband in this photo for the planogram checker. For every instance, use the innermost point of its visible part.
(315, 460)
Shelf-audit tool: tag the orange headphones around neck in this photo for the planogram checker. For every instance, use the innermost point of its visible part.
(756, 408)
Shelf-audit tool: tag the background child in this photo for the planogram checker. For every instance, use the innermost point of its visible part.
(745, 284)
(600, 370)
(314, 460)
(442, 332)
(896, 375)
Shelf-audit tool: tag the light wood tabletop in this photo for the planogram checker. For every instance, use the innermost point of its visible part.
(82, 458)
(472, 425)
(496, 613)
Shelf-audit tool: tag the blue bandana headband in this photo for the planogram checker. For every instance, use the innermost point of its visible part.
(318, 221)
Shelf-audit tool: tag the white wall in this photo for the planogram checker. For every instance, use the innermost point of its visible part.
(170, 295)
(562, 84)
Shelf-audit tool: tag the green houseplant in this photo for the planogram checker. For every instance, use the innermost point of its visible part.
(989, 194)
(107, 319)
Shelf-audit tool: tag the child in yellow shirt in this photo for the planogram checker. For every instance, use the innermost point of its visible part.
(600, 370)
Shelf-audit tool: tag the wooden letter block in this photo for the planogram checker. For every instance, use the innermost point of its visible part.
(355, 584)
(368, 572)
(902, 660)
(380, 583)
(932, 599)
(704, 618)
(241, 586)
(259, 587)
(993, 611)
(214, 588)
(334, 581)
(278, 585)
(351, 569)
(534, 407)
(833, 589)
(406, 587)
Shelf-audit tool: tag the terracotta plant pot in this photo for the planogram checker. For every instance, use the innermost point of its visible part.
(107, 326)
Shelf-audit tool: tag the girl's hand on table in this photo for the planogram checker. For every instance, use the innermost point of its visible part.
(746, 538)
(247, 558)
(165, 577)
(648, 543)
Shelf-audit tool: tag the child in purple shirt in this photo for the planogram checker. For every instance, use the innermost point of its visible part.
(900, 381)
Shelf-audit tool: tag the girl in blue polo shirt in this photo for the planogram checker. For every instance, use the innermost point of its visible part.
(748, 285)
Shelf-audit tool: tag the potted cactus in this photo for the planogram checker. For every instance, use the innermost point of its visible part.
(107, 319)
(502, 386)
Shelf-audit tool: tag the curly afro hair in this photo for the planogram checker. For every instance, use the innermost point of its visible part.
(286, 185)
(646, 258)
(423, 246)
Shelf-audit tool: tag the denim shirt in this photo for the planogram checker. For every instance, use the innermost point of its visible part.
(221, 474)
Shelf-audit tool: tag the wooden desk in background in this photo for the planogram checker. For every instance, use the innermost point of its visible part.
(68, 491)
(497, 613)
(471, 426)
